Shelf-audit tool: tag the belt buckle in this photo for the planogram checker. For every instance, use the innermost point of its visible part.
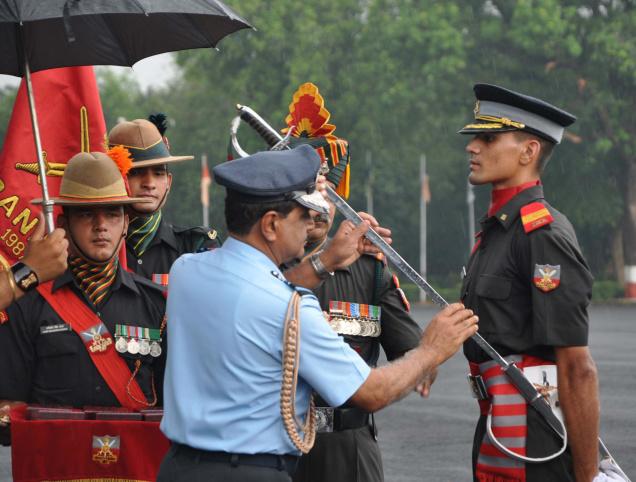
(478, 387)
(324, 419)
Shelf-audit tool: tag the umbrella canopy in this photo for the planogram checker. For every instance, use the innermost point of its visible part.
(65, 33)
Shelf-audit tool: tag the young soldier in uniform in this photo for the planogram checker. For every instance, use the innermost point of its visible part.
(233, 386)
(530, 285)
(152, 243)
(365, 306)
(93, 335)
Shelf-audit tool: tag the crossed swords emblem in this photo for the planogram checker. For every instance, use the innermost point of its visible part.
(57, 168)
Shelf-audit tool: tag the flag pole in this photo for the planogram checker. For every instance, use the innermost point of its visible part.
(423, 201)
(47, 204)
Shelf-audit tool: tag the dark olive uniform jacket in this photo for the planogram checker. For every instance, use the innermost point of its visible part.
(45, 362)
(169, 243)
(516, 317)
(353, 455)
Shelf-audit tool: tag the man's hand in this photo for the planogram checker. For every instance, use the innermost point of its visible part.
(5, 421)
(46, 255)
(345, 247)
(368, 247)
(424, 388)
(349, 243)
(448, 330)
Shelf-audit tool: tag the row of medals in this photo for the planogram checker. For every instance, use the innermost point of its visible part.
(355, 326)
(133, 346)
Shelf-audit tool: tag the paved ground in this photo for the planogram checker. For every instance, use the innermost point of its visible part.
(430, 440)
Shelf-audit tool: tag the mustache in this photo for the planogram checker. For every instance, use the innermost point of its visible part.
(321, 218)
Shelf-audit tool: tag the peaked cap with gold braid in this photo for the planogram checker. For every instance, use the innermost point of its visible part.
(309, 119)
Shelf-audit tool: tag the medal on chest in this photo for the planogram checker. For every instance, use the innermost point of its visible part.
(138, 340)
(355, 319)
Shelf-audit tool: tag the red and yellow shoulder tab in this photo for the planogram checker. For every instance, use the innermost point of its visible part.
(534, 216)
(3, 317)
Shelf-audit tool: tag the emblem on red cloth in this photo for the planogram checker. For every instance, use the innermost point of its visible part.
(97, 338)
(106, 449)
(547, 277)
(3, 317)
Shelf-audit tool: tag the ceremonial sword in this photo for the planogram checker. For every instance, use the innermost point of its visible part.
(516, 376)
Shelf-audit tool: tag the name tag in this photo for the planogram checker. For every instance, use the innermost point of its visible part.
(45, 330)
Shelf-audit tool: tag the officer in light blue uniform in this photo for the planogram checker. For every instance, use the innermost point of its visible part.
(224, 410)
(226, 312)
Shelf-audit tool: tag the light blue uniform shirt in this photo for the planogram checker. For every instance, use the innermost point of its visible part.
(226, 311)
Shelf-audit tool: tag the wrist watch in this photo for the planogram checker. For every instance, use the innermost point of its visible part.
(319, 267)
(25, 278)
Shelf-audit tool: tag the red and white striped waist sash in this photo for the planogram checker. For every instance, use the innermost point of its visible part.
(508, 410)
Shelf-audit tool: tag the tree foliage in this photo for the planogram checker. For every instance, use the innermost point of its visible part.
(397, 76)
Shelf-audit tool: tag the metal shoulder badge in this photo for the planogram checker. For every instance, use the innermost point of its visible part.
(535, 215)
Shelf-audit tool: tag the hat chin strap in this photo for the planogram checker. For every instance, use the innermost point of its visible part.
(162, 203)
(77, 250)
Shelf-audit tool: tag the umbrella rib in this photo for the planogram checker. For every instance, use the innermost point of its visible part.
(116, 37)
(202, 32)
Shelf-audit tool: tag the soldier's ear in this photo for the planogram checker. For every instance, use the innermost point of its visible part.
(530, 150)
(268, 224)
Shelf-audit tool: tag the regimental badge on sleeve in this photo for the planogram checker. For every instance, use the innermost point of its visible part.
(547, 277)
(4, 317)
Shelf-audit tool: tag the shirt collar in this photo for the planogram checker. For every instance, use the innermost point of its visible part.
(509, 212)
(255, 256)
(123, 277)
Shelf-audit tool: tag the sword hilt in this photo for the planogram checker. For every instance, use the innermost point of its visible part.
(267, 132)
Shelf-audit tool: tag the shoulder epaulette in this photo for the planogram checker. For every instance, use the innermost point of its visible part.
(140, 280)
(534, 216)
(299, 289)
(200, 230)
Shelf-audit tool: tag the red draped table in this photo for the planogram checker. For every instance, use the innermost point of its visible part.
(85, 450)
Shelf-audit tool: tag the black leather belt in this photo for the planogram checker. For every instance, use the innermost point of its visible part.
(278, 462)
(337, 419)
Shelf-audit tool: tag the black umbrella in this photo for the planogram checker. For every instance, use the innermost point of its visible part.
(43, 34)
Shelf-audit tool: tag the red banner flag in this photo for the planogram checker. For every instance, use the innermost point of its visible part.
(71, 120)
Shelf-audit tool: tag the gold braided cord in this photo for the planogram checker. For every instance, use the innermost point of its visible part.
(483, 126)
(291, 361)
(500, 120)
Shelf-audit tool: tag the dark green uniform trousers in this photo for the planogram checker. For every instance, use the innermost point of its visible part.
(345, 456)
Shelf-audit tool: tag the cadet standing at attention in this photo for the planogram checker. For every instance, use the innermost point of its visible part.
(152, 244)
(365, 305)
(530, 286)
(93, 335)
(234, 390)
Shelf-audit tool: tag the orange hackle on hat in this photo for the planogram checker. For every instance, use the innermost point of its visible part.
(121, 156)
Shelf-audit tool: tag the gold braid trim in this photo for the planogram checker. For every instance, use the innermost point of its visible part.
(291, 361)
(500, 120)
